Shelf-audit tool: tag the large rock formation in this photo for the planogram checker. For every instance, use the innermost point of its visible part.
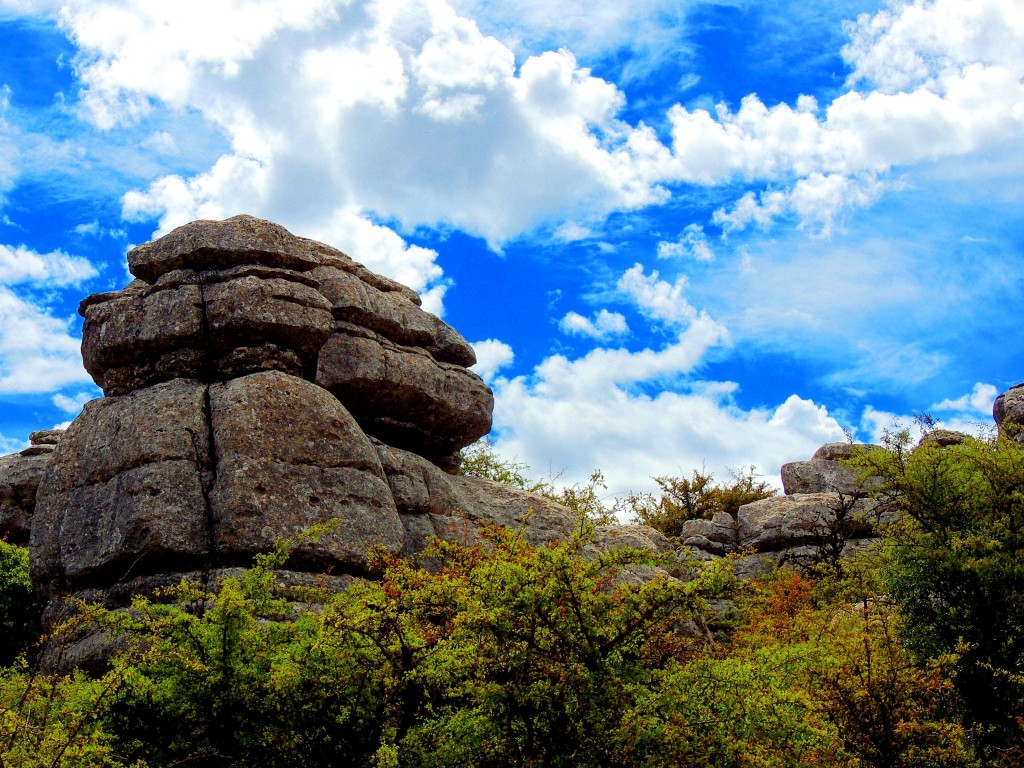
(257, 384)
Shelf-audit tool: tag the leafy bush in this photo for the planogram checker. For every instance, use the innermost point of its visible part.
(695, 497)
(19, 613)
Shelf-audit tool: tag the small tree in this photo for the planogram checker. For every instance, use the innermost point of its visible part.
(956, 568)
(694, 497)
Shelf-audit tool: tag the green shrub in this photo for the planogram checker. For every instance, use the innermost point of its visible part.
(19, 611)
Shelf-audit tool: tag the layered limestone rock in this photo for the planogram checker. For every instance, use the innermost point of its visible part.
(258, 385)
(20, 475)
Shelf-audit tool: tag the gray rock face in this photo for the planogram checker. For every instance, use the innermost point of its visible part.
(819, 476)
(219, 300)
(20, 475)
(800, 520)
(1008, 412)
(828, 472)
(825, 512)
(404, 396)
(259, 385)
(943, 438)
(717, 536)
(289, 456)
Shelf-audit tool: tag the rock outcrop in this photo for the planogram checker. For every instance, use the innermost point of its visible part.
(258, 384)
(825, 510)
(20, 475)
(1008, 412)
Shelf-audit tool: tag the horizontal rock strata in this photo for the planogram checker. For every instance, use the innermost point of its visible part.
(261, 386)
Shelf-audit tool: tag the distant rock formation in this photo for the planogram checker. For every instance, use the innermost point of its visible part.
(825, 509)
(258, 383)
(20, 475)
(1008, 412)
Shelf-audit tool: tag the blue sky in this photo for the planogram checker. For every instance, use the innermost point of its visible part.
(678, 233)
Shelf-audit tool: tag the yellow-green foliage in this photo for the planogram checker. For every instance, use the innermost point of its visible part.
(956, 568)
(507, 655)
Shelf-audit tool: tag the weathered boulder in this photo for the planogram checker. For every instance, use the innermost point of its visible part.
(288, 456)
(125, 494)
(262, 386)
(20, 475)
(219, 300)
(404, 396)
(457, 508)
(391, 313)
(828, 471)
(185, 475)
(805, 519)
(943, 438)
(206, 326)
(716, 536)
(1008, 412)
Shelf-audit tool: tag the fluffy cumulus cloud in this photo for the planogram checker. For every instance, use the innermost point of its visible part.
(38, 352)
(572, 417)
(73, 404)
(655, 298)
(692, 244)
(491, 356)
(404, 109)
(934, 79)
(978, 401)
(19, 264)
(602, 325)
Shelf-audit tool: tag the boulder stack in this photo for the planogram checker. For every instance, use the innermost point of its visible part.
(258, 383)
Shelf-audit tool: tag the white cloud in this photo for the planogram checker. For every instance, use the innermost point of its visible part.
(978, 400)
(22, 265)
(73, 405)
(816, 201)
(656, 298)
(491, 356)
(570, 232)
(12, 445)
(89, 228)
(692, 243)
(603, 324)
(917, 43)
(407, 110)
(319, 102)
(580, 415)
(37, 351)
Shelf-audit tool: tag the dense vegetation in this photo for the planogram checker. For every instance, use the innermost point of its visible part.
(506, 655)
